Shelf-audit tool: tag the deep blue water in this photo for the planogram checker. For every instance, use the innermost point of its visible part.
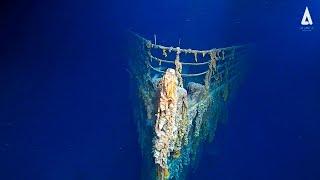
(65, 110)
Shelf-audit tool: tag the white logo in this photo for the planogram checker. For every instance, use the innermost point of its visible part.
(306, 19)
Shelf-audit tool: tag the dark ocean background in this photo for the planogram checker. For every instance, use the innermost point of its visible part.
(65, 109)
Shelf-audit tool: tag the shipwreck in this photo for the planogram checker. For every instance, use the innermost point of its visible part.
(179, 96)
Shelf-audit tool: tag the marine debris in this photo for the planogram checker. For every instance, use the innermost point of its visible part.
(178, 103)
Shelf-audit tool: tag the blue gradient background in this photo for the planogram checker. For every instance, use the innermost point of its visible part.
(65, 110)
